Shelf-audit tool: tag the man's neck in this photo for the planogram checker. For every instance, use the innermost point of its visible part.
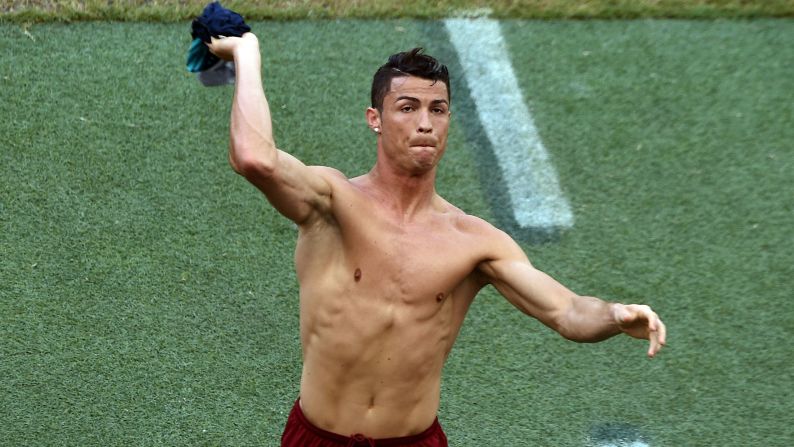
(406, 194)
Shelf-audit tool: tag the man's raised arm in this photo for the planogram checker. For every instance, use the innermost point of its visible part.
(578, 318)
(295, 190)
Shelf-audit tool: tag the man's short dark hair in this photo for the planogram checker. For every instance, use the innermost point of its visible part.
(407, 63)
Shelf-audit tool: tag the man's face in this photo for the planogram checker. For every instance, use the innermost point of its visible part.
(414, 123)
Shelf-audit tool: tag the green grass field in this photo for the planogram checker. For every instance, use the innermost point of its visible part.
(147, 293)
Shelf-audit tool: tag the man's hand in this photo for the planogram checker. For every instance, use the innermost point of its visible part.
(225, 47)
(639, 321)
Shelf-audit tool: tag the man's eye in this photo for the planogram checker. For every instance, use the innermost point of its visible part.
(406, 108)
(438, 110)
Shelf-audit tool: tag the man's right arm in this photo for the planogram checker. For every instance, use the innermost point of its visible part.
(298, 192)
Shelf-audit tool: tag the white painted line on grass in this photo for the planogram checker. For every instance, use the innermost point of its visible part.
(531, 179)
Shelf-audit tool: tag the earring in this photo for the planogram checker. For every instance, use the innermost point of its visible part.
(376, 129)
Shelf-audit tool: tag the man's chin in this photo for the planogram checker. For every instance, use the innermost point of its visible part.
(424, 165)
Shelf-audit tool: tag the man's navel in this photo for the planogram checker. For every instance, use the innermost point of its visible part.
(357, 275)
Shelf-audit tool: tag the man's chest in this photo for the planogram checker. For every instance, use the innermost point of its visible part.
(413, 261)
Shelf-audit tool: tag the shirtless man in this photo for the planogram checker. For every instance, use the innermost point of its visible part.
(388, 268)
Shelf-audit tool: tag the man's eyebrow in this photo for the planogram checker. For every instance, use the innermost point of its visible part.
(411, 98)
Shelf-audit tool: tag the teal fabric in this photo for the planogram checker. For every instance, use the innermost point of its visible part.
(199, 57)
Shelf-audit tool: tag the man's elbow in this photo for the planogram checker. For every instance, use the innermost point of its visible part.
(251, 164)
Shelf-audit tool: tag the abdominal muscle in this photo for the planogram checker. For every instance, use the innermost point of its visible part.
(372, 364)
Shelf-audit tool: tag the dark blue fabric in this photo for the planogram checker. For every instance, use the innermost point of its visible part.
(218, 21)
(214, 21)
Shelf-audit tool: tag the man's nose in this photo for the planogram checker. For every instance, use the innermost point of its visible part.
(425, 126)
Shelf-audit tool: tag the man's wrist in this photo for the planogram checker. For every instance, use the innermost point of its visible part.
(616, 313)
(248, 44)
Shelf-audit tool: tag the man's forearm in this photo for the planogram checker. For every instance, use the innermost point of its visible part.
(251, 133)
(589, 320)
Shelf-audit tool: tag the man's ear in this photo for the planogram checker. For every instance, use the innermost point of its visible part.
(373, 119)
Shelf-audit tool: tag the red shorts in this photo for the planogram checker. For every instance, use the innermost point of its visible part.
(299, 432)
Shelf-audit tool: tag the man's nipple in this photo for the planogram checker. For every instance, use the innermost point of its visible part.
(357, 275)
(439, 297)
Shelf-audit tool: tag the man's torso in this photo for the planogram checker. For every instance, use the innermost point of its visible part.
(382, 301)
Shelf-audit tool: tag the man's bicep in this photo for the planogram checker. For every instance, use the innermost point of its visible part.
(295, 190)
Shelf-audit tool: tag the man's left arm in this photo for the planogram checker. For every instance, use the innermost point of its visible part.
(575, 317)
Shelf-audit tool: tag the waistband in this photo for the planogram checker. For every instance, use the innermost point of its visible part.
(434, 428)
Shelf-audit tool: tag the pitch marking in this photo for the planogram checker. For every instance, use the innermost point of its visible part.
(531, 179)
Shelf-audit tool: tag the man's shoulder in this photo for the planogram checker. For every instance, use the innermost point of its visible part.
(328, 173)
(474, 225)
(483, 240)
(335, 178)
